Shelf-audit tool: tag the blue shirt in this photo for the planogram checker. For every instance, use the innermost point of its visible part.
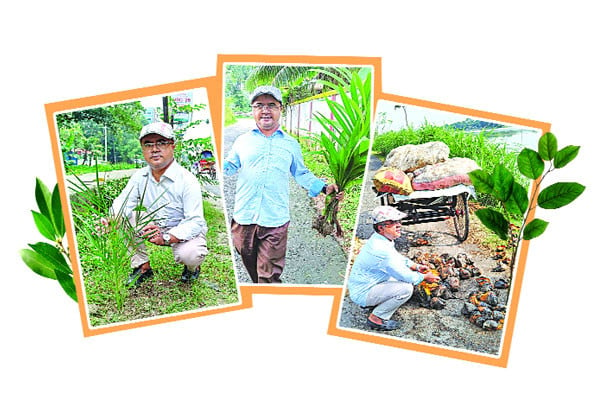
(177, 196)
(377, 262)
(265, 164)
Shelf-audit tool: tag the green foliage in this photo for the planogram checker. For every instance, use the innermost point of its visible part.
(535, 165)
(110, 237)
(236, 99)
(345, 140)
(85, 169)
(45, 259)
(87, 130)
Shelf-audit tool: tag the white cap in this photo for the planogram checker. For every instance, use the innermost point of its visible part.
(160, 128)
(386, 213)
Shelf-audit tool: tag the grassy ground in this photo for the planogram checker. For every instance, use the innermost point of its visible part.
(165, 294)
(85, 169)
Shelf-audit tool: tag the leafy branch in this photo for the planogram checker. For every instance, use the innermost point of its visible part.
(345, 140)
(535, 165)
(50, 260)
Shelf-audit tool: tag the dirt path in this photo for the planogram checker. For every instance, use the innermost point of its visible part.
(311, 258)
(446, 327)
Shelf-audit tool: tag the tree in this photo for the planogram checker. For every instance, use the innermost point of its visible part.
(113, 129)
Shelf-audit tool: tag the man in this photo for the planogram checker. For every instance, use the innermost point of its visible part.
(172, 197)
(381, 277)
(265, 158)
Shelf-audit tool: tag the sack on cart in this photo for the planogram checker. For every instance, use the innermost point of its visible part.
(452, 172)
(410, 157)
(392, 180)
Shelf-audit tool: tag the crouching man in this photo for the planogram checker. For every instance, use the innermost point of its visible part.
(173, 197)
(381, 277)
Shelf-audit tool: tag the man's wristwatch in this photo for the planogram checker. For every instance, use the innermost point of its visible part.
(324, 190)
(167, 239)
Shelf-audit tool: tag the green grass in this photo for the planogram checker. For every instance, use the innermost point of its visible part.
(85, 169)
(165, 294)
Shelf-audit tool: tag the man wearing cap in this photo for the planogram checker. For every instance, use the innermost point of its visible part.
(265, 158)
(173, 196)
(381, 277)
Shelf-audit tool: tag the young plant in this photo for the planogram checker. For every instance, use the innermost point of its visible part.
(345, 140)
(45, 259)
(110, 237)
(501, 184)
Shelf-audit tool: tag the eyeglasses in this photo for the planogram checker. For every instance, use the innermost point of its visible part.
(270, 106)
(161, 144)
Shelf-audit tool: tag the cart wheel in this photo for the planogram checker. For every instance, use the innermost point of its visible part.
(461, 217)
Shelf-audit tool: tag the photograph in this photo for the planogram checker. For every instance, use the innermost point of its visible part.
(428, 264)
(295, 144)
(146, 205)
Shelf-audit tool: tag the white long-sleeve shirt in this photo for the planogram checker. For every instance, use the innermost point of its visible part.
(177, 197)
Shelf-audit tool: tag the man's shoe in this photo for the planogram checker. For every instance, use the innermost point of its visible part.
(188, 276)
(137, 276)
(386, 325)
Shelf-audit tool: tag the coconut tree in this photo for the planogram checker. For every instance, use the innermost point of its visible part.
(344, 141)
(295, 81)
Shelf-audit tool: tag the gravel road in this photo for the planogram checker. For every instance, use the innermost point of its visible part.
(311, 258)
(446, 327)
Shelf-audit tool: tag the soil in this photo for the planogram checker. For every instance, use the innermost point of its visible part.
(447, 327)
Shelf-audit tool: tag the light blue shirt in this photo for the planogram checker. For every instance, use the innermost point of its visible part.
(377, 262)
(264, 164)
(177, 196)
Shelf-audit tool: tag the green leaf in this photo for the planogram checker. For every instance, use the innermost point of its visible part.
(42, 197)
(37, 263)
(57, 213)
(494, 221)
(67, 283)
(44, 225)
(53, 257)
(518, 202)
(565, 156)
(530, 163)
(534, 229)
(547, 146)
(559, 194)
(503, 182)
(482, 181)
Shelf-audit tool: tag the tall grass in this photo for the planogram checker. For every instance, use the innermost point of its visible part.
(104, 272)
(461, 144)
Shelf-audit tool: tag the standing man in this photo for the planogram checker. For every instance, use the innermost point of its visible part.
(173, 196)
(265, 158)
(381, 277)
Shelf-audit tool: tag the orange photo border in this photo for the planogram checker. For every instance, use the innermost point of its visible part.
(211, 86)
(223, 59)
(502, 359)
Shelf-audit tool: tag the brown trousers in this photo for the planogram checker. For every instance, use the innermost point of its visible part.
(262, 250)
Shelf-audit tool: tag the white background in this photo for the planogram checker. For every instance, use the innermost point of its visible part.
(533, 60)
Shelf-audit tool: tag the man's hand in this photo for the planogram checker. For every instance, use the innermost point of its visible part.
(151, 232)
(333, 188)
(430, 277)
(420, 268)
